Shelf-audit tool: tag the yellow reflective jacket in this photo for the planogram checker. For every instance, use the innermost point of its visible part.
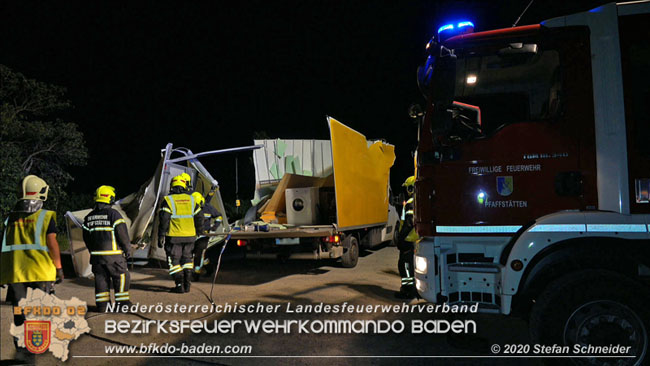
(406, 224)
(24, 256)
(182, 209)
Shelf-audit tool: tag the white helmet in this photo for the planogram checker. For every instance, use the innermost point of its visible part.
(34, 188)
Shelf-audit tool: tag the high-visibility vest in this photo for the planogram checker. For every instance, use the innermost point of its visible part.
(24, 256)
(182, 209)
(412, 236)
(407, 209)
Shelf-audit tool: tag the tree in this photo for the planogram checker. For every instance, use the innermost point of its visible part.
(34, 139)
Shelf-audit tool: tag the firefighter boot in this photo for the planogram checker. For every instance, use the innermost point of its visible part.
(407, 292)
(102, 306)
(188, 279)
(178, 280)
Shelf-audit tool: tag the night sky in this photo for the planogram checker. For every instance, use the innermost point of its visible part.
(207, 75)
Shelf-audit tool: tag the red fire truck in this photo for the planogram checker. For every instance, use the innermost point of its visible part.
(533, 175)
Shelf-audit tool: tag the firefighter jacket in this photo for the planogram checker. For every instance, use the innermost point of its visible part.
(179, 218)
(407, 228)
(106, 235)
(209, 214)
(25, 256)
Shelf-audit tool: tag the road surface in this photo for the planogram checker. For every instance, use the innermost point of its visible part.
(281, 286)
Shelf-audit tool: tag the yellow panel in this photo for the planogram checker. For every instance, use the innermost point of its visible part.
(361, 175)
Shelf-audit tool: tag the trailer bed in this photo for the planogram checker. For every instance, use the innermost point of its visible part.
(297, 232)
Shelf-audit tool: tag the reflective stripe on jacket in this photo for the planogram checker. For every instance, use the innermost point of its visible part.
(182, 209)
(106, 235)
(25, 256)
(99, 226)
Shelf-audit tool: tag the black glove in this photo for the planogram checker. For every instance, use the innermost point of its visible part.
(59, 275)
(161, 241)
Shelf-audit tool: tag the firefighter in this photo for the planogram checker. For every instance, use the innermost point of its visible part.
(107, 238)
(179, 223)
(30, 256)
(209, 214)
(407, 238)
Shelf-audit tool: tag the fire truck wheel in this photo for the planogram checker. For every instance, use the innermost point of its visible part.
(350, 252)
(597, 308)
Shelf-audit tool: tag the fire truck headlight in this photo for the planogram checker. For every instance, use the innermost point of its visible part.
(420, 285)
(421, 265)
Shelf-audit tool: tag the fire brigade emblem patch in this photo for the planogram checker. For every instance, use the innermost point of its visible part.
(37, 335)
(505, 185)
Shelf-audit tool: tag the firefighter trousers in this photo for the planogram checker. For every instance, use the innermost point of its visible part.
(113, 272)
(181, 264)
(405, 265)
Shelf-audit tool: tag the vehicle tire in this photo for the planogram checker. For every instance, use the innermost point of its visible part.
(593, 307)
(395, 239)
(350, 255)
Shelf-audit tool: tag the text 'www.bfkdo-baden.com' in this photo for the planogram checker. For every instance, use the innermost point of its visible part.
(183, 349)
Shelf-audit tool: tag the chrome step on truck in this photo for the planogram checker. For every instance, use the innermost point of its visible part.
(464, 282)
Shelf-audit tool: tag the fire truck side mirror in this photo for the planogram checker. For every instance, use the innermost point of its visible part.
(444, 78)
(437, 77)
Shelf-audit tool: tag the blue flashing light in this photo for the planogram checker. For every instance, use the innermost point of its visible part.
(599, 9)
(465, 24)
(445, 27)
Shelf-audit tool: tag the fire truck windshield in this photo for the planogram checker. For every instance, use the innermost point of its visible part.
(510, 83)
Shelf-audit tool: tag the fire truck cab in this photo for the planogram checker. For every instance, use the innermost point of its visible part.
(533, 175)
